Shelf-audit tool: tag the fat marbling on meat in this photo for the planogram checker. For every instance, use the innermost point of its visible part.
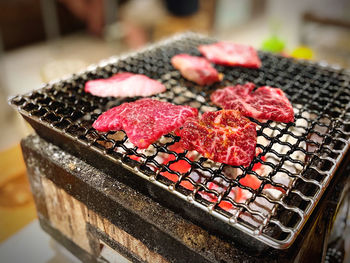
(123, 85)
(145, 120)
(231, 54)
(265, 103)
(223, 136)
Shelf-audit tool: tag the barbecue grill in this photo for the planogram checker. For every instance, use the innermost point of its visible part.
(298, 159)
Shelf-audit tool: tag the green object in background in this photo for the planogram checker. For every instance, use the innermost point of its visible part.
(273, 44)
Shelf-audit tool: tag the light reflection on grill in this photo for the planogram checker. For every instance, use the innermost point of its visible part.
(272, 198)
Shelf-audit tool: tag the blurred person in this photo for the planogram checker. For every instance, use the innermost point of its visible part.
(89, 11)
(138, 18)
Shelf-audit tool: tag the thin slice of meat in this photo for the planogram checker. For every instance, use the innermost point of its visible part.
(223, 136)
(124, 85)
(196, 69)
(145, 120)
(265, 103)
(231, 54)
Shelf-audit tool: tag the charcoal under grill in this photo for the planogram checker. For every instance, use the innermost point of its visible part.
(300, 158)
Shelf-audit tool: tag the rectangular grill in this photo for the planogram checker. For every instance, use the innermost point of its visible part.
(297, 158)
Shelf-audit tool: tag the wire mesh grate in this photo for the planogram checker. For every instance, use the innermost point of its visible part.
(270, 199)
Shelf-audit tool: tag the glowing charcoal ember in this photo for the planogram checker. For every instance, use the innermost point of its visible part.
(265, 103)
(231, 54)
(124, 85)
(241, 195)
(238, 194)
(134, 157)
(225, 205)
(251, 181)
(219, 185)
(196, 69)
(222, 136)
(144, 121)
(261, 204)
(180, 166)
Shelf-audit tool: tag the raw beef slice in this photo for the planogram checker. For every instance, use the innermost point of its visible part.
(265, 103)
(124, 85)
(145, 120)
(196, 69)
(231, 54)
(223, 136)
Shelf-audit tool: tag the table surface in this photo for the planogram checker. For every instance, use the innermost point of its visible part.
(32, 245)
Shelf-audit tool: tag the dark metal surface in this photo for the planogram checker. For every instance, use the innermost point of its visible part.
(63, 113)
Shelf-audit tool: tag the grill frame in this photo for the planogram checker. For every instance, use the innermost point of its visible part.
(87, 150)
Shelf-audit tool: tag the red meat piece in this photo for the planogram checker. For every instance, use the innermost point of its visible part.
(222, 136)
(230, 54)
(144, 121)
(265, 103)
(196, 69)
(124, 85)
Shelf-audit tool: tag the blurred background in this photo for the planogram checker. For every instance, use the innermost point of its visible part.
(41, 40)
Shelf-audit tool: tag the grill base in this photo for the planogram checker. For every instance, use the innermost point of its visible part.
(82, 207)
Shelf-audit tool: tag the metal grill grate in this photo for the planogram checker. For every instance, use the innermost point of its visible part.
(294, 164)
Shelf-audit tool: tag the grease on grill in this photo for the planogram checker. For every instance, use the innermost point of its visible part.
(297, 158)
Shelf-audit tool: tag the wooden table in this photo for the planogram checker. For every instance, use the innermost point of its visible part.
(16, 203)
